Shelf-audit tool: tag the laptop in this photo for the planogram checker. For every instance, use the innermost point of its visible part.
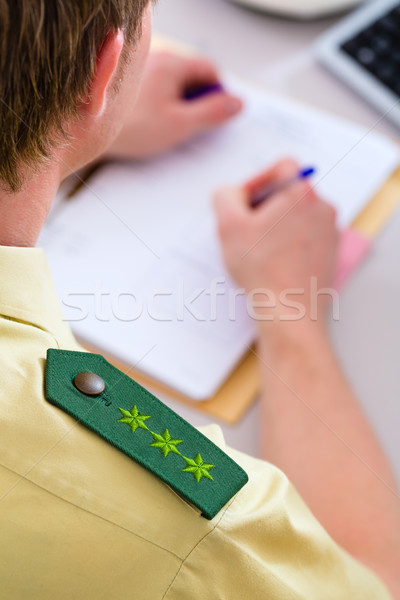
(364, 51)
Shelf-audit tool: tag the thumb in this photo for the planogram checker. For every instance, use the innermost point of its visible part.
(211, 110)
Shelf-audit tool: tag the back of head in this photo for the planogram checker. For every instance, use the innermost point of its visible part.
(48, 51)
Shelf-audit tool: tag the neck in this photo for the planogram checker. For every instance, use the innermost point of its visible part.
(23, 214)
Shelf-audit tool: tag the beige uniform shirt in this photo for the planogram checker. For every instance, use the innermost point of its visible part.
(81, 520)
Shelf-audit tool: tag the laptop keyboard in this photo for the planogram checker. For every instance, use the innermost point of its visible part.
(377, 49)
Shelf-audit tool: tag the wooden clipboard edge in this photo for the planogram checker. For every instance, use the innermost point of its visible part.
(229, 404)
(378, 211)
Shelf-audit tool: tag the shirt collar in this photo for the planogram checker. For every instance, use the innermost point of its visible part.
(27, 293)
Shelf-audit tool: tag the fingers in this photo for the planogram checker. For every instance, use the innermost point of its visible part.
(179, 72)
(296, 194)
(284, 169)
(290, 208)
(236, 201)
(210, 111)
(299, 198)
(230, 204)
(195, 70)
(198, 115)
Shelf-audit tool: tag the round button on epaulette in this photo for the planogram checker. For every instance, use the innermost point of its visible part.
(89, 383)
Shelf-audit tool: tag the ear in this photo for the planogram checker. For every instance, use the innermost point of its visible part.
(106, 67)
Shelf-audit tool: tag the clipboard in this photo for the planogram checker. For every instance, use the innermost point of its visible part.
(241, 389)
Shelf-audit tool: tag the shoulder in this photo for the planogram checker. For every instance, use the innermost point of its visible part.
(263, 540)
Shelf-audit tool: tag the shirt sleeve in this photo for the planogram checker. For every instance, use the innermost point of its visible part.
(267, 544)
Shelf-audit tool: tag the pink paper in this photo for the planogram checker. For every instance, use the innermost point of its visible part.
(353, 247)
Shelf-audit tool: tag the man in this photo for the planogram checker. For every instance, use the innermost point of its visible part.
(78, 517)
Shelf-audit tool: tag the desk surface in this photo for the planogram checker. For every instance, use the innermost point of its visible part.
(277, 53)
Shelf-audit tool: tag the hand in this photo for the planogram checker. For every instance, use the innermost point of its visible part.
(279, 246)
(162, 118)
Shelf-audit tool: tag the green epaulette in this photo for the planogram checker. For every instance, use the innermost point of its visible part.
(127, 416)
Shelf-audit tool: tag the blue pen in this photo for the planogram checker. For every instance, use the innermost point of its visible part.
(195, 92)
(263, 195)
